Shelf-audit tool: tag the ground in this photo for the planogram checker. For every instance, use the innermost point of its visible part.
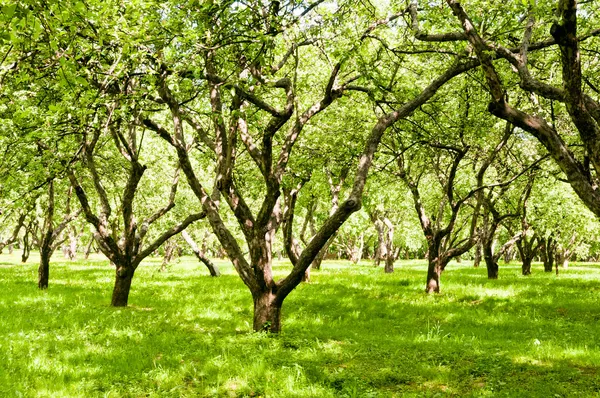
(352, 332)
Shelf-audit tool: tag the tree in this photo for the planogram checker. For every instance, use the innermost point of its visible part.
(128, 250)
(582, 109)
(50, 234)
(256, 89)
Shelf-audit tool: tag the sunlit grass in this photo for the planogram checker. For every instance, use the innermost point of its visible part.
(352, 332)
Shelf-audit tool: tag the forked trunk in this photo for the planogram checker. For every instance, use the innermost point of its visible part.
(44, 268)
(267, 313)
(123, 277)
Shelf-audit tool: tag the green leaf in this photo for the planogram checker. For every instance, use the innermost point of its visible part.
(9, 10)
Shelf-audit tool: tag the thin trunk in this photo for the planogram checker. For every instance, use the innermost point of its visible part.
(88, 249)
(389, 264)
(316, 264)
(267, 313)
(358, 251)
(169, 252)
(380, 249)
(44, 268)
(488, 255)
(477, 259)
(212, 268)
(123, 277)
(26, 248)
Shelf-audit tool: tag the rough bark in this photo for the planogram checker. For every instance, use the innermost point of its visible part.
(123, 277)
(434, 271)
(267, 312)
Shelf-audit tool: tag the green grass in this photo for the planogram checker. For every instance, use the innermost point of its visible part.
(352, 332)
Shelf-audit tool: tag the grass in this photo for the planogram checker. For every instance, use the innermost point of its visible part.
(352, 332)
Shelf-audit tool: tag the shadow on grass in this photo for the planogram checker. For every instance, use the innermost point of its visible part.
(354, 331)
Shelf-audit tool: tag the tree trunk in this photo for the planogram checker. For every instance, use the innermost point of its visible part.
(389, 264)
(267, 313)
(526, 267)
(10, 248)
(212, 268)
(123, 277)
(26, 248)
(508, 255)
(477, 259)
(44, 268)
(316, 264)
(434, 271)
(492, 267)
(549, 252)
(548, 263)
(380, 250)
(488, 255)
(169, 252)
(88, 249)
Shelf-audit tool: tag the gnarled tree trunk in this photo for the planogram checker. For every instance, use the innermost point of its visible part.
(267, 312)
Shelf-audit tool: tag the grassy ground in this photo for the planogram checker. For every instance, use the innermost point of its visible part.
(352, 332)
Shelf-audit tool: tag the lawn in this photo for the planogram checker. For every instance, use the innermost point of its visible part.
(352, 332)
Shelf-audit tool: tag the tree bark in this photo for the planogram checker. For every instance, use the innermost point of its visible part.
(267, 312)
(526, 267)
(549, 251)
(434, 271)
(491, 265)
(44, 268)
(212, 268)
(508, 255)
(477, 259)
(123, 277)
(26, 248)
(88, 249)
